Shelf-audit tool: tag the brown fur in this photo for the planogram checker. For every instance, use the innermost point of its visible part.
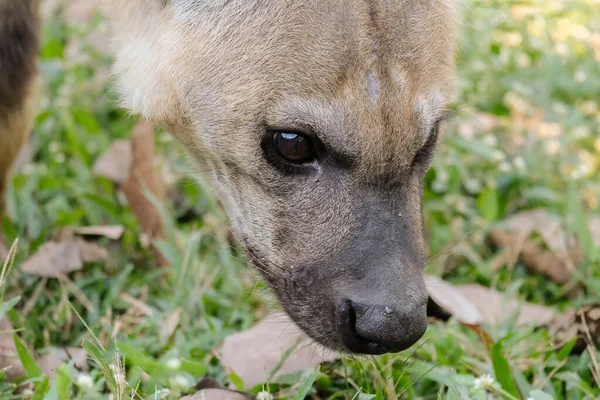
(19, 31)
(341, 242)
(370, 78)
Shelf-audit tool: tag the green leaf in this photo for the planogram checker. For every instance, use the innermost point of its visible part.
(306, 385)
(566, 350)
(41, 389)
(539, 395)
(502, 371)
(193, 368)
(237, 382)
(139, 359)
(29, 364)
(487, 203)
(62, 383)
(87, 120)
(8, 305)
(99, 356)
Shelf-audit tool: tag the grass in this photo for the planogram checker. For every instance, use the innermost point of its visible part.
(534, 65)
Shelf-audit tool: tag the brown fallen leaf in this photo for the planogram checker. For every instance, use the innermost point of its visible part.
(583, 324)
(451, 300)
(253, 355)
(9, 359)
(51, 361)
(112, 232)
(474, 304)
(115, 163)
(56, 259)
(555, 254)
(143, 177)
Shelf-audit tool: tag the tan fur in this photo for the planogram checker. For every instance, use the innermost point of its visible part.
(19, 38)
(369, 77)
(342, 242)
(14, 132)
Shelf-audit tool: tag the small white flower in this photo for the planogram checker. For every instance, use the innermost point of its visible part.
(60, 158)
(85, 381)
(499, 156)
(54, 147)
(581, 132)
(264, 396)
(580, 76)
(180, 382)
(560, 107)
(473, 186)
(580, 172)
(505, 166)
(490, 140)
(523, 60)
(439, 186)
(561, 48)
(484, 381)
(519, 163)
(174, 363)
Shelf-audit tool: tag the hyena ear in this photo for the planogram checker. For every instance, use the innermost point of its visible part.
(143, 46)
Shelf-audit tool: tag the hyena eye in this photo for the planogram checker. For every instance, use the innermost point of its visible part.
(294, 147)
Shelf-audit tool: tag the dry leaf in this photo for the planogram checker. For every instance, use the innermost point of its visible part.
(254, 354)
(557, 257)
(143, 177)
(115, 163)
(474, 304)
(218, 394)
(583, 323)
(91, 252)
(9, 358)
(112, 232)
(453, 301)
(50, 362)
(56, 259)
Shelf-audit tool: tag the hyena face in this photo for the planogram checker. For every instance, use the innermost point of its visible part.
(315, 121)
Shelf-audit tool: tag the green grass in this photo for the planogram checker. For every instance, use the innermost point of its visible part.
(538, 73)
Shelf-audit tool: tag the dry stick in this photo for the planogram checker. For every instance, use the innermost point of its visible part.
(594, 366)
(35, 296)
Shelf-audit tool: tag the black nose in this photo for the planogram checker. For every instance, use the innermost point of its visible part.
(379, 329)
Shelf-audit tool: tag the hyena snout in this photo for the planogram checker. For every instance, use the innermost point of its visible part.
(379, 328)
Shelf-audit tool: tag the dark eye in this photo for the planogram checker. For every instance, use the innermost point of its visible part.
(294, 147)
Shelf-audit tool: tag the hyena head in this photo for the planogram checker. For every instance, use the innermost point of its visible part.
(316, 121)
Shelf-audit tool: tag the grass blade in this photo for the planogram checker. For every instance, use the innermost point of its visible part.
(503, 372)
(306, 385)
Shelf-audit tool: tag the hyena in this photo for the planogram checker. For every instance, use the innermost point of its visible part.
(314, 120)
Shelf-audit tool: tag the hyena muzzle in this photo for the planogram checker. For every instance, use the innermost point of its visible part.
(315, 121)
